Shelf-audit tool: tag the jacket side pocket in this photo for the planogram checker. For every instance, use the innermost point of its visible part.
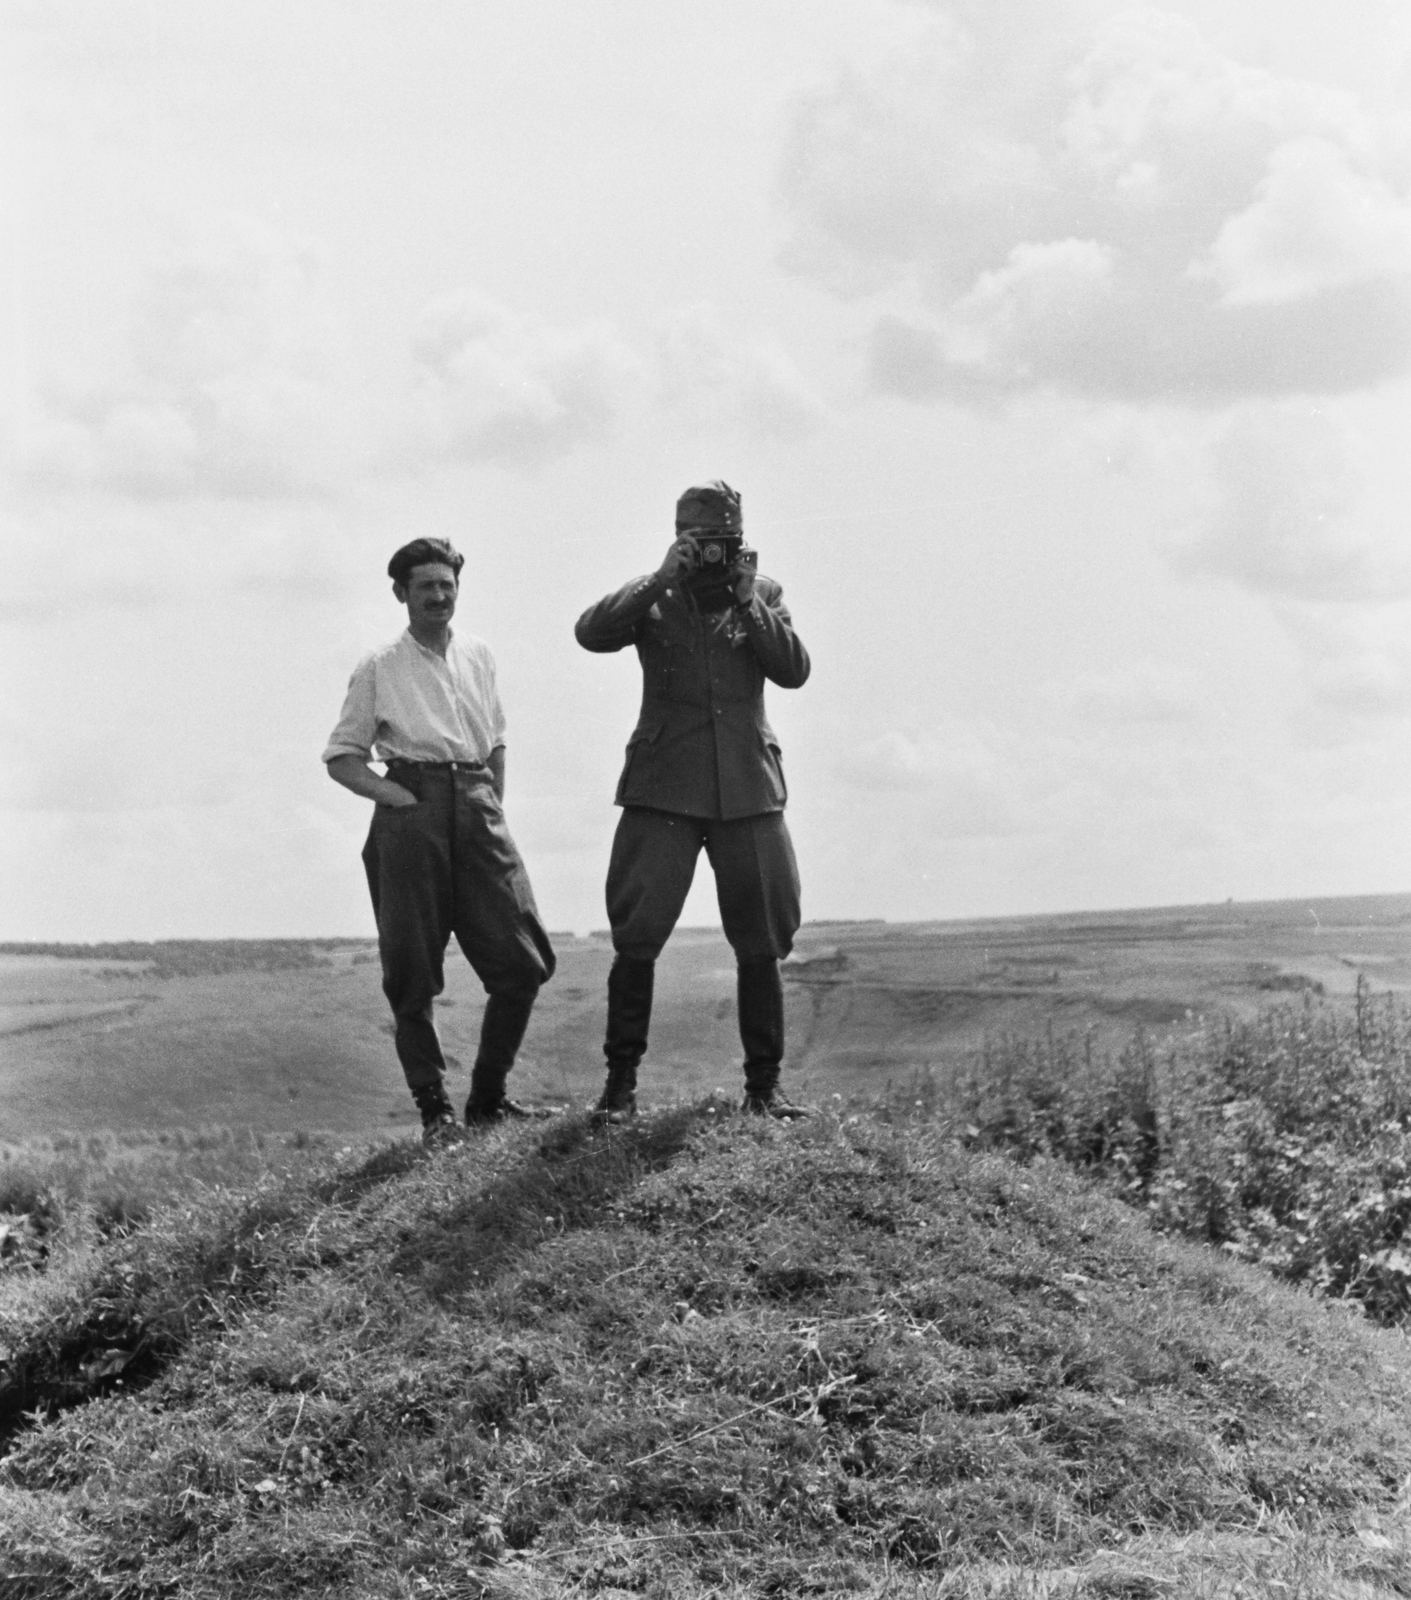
(644, 736)
(774, 766)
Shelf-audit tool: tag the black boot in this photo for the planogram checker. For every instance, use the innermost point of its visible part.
(501, 1033)
(629, 1016)
(438, 1121)
(761, 1000)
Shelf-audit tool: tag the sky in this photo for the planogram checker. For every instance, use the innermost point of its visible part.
(1061, 352)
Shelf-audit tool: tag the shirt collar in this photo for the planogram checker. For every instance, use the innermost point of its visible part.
(412, 639)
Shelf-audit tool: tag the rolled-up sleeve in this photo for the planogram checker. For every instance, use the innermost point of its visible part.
(356, 728)
(494, 709)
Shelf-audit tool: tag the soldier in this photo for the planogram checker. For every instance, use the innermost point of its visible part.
(702, 770)
(439, 857)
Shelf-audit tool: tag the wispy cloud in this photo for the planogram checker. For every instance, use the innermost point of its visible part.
(1358, 666)
(499, 385)
(236, 381)
(709, 378)
(1293, 509)
(1149, 696)
(960, 776)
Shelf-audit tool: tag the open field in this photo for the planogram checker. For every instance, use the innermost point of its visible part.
(286, 1035)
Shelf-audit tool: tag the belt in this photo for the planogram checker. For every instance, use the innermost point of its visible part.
(439, 766)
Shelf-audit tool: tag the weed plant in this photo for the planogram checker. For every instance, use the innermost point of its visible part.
(1285, 1140)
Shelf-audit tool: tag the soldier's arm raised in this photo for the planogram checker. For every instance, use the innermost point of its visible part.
(777, 647)
(612, 623)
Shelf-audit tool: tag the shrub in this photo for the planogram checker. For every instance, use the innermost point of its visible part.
(1286, 1139)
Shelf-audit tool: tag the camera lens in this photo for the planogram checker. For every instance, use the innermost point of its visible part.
(712, 552)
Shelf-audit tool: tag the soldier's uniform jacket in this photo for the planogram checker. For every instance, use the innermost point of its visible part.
(702, 746)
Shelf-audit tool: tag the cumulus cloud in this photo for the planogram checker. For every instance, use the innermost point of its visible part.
(498, 385)
(1315, 223)
(236, 382)
(712, 380)
(1102, 204)
(1300, 504)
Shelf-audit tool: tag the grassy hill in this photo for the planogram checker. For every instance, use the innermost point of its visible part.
(700, 1356)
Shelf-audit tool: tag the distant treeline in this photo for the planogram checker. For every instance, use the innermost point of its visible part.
(191, 958)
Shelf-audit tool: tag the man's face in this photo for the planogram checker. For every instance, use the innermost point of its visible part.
(429, 595)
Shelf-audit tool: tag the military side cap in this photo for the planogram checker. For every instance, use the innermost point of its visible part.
(710, 505)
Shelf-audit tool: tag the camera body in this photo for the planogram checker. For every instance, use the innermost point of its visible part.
(716, 556)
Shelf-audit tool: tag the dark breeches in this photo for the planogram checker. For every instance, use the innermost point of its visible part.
(654, 860)
(444, 866)
(757, 884)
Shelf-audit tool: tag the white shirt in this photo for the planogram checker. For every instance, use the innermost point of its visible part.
(406, 701)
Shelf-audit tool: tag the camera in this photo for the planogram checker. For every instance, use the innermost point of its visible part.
(714, 556)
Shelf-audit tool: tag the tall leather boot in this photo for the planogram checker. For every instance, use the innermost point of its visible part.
(630, 984)
(438, 1121)
(760, 991)
(501, 1033)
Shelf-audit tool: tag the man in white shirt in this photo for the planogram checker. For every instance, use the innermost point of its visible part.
(439, 857)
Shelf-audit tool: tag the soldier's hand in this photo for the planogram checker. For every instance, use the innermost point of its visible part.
(394, 795)
(678, 560)
(744, 584)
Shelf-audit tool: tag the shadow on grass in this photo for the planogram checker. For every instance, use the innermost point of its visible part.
(568, 1182)
(386, 1162)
